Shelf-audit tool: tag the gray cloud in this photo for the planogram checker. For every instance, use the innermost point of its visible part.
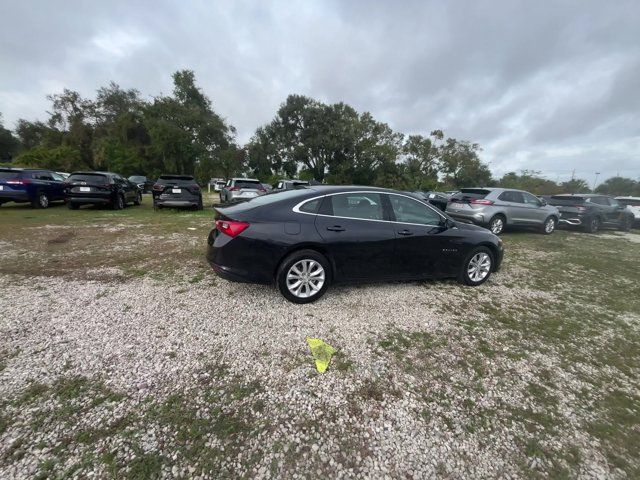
(550, 87)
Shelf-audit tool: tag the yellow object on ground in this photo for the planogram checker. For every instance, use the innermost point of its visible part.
(322, 352)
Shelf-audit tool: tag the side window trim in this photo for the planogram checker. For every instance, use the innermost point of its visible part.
(386, 204)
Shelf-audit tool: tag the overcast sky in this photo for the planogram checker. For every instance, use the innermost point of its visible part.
(551, 86)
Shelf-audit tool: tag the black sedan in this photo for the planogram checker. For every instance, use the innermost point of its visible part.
(304, 240)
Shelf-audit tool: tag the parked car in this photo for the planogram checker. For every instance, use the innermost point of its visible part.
(64, 175)
(592, 212)
(145, 184)
(268, 188)
(27, 185)
(219, 185)
(438, 199)
(177, 191)
(306, 239)
(497, 208)
(100, 188)
(633, 205)
(241, 189)
(290, 184)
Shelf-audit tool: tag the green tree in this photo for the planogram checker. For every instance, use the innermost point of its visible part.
(530, 181)
(421, 163)
(619, 186)
(575, 185)
(9, 144)
(461, 165)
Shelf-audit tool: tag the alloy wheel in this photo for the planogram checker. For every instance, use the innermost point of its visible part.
(43, 200)
(497, 225)
(305, 278)
(479, 266)
(550, 226)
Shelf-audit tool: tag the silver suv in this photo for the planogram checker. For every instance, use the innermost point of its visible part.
(241, 189)
(496, 208)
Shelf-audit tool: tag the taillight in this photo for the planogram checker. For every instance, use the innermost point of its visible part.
(581, 208)
(234, 189)
(157, 187)
(481, 201)
(17, 182)
(262, 189)
(195, 188)
(231, 227)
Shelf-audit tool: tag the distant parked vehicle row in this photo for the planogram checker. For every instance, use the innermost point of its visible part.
(497, 208)
(177, 191)
(241, 189)
(438, 199)
(592, 212)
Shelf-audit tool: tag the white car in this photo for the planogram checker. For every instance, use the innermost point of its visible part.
(241, 189)
(633, 205)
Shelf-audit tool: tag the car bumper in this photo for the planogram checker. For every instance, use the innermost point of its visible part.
(14, 196)
(177, 203)
(570, 221)
(477, 218)
(89, 200)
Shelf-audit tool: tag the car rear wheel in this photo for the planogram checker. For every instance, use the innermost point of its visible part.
(549, 225)
(626, 224)
(118, 204)
(477, 267)
(496, 224)
(138, 200)
(41, 200)
(593, 225)
(303, 276)
(73, 206)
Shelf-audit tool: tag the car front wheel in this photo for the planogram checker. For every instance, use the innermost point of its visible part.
(304, 276)
(477, 267)
(138, 199)
(549, 225)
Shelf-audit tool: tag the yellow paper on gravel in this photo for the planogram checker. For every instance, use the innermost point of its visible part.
(322, 352)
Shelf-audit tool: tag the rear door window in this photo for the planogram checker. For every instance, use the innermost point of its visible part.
(599, 201)
(365, 206)
(42, 176)
(530, 199)
(408, 210)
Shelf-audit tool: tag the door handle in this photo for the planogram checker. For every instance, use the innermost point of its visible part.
(405, 232)
(336, 228)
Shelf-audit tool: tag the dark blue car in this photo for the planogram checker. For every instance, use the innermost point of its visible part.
(27, 185)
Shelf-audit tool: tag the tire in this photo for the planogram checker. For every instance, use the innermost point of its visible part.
(593, 226)
(626, 225)
(549, 226)
(73, 206)
(138, 200)
(294, 266)
(497, 224)
(475, 270)
(200, 206)
(119, 202)
(41, 200)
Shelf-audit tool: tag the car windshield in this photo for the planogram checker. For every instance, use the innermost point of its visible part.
(9, 174)
(176, 180)
(138, 178)
(247, 184)
(472, 193)
(87, 177)
(566, 200)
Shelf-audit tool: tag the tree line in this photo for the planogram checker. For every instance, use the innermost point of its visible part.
(181, 133)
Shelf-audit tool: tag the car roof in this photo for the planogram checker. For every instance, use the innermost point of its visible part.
(20, 169)
(242, 178)
(585, 195)
(628, 198)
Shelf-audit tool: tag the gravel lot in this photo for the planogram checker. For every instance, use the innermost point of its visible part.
(123, 356)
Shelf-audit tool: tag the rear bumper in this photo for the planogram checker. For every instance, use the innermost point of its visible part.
(14, 196)
(177, 203)
(571, 221)
(89, 200)
(476, 218)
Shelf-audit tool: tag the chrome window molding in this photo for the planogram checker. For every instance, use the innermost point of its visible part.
(296, 208)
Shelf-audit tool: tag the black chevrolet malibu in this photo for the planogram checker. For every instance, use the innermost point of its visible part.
(304, 240)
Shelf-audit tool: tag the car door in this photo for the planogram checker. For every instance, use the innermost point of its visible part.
(603, 208)
(57, 186)
(534, 209)
(353, 227)
(420, 247)
(617, 213)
